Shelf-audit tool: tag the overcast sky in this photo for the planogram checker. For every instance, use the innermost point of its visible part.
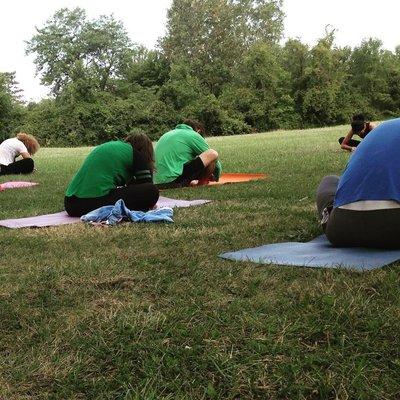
(145, 21)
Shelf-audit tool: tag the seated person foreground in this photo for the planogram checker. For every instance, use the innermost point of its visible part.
(362, 207)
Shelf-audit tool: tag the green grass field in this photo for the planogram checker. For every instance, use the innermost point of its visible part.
(143, 311)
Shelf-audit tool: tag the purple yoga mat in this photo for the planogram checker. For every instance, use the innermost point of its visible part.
(62, 217)
(40, 221)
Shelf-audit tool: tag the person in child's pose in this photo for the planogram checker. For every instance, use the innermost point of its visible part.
(112, 171)
(184, 158)
(359, 127)
(23, 145)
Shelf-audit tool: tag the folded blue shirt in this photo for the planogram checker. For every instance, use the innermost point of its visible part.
(112, 215)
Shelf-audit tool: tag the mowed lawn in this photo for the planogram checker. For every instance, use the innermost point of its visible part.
(148, 311)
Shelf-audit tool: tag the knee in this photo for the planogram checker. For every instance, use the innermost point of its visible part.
(70, 208)
(328, 186)
(213, 154)
(208, 157)
(329, 181)
(326, 191)
(29, 165)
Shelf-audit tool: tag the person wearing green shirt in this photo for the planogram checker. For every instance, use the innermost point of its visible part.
(112, 171)
(184, 158)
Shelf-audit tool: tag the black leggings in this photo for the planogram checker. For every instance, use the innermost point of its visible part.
(349, 228)
(351, 142)
(24, 166)
(140, 197)
(192, 170)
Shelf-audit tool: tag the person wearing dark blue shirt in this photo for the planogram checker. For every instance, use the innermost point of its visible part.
(362, 207)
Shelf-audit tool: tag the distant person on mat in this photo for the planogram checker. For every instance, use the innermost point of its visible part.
(112, 171)
(359, 127)
(23, 145)
(362, 207)
(183, 157)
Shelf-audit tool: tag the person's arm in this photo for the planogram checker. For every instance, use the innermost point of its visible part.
(25, 155)
(346, 140)
(21, 149)
(199, 145)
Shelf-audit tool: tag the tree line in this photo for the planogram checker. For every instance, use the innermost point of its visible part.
(221, 62)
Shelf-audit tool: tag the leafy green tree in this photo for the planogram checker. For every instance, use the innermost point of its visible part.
(11, 110)
(394, 83)
(220, 62)
(182, 88)
(370, 68)
(104, 85)
(261, 91)
(268, 80)
(211, 35)
(149, 69)
(326, 98)
(295, 59)
(69, 47)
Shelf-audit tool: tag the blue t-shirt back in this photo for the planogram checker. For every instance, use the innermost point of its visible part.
(373, 171)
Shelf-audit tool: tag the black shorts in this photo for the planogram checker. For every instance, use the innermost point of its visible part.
(192, 170)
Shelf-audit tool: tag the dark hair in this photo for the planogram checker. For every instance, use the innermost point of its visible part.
(142, 144)
(196, 125)
(357, 123)
(358, 117)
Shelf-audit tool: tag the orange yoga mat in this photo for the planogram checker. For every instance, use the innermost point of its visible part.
(236, 178)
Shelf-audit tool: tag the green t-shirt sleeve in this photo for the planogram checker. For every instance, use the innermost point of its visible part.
(198, 144)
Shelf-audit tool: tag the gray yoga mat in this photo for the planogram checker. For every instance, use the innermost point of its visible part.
(62, 218)
(318, 253)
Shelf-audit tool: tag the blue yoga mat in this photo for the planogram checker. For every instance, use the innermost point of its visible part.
(318, 253)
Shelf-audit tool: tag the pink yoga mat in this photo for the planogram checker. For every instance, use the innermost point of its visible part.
(16, 185)
(62, 218)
